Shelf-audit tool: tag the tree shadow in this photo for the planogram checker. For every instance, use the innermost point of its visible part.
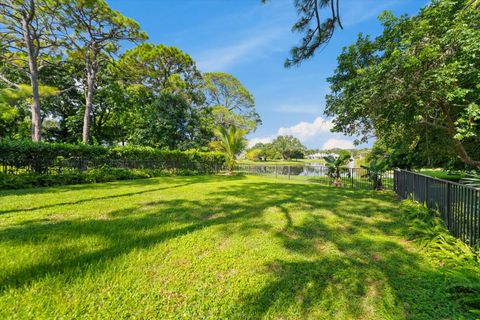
(186, 181)
(348, 243)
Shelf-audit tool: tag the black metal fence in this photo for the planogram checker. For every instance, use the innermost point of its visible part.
(349, 177)
(458, 204)
(62, 165)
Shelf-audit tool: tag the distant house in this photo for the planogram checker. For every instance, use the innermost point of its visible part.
(321, 155)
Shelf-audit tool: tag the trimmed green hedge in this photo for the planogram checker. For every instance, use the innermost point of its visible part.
(26, 151)
(26, 164)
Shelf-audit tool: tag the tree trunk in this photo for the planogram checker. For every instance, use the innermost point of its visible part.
(33, 73)
(462, 154)
(36, 116)
(91, 74)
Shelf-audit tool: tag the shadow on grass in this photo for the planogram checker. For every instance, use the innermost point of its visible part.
(113, 196)
(369, 260)
(108, 187)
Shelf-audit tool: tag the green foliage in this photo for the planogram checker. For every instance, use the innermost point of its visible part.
(336, 166)
(266, 151)
(231, 102)
(288, 147)
(92, 32)
(48, 157)
(8, 98)
(170, 122)
(231, 142)
(95, 26)
(282, 147)
(444, 174)
(151, 95)
(375, 172)
(25, 150)
(160, 69)
(459, 261)
(254, 155)
(415, 87)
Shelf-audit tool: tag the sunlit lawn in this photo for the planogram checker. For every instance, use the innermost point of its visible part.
(212, 247)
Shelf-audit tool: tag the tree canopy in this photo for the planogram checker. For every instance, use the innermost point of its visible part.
(162, 69)
(415, 87)
(288, 147)
(231, 102)
(65, 75)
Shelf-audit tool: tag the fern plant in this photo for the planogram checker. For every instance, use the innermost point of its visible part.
(461, 262)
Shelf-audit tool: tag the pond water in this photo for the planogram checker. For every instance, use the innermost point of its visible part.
(310, 170)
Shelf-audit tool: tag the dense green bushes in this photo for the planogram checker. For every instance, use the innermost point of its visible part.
(459, 262)
(26, 151)
(26, 164)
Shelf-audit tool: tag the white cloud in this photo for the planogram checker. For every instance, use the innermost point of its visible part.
(254, 141)
(305, 131)
(318, 130)
(314, 134)
(338, 143)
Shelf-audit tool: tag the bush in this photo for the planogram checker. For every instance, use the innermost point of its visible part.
(459, 261)
(254, 155)
(28, 164)
(22, 151)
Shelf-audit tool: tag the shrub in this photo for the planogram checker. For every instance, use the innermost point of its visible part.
(459, 261)
(375, 173)
(254, 155)
(28, 164)
(27, 151)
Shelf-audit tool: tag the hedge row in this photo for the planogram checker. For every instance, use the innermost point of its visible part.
(32, 180)
(21, 153)
(25, 164)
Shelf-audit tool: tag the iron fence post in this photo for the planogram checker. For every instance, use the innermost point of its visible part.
(449, 205)
(427, 185)
(351, 176)
(395, 177)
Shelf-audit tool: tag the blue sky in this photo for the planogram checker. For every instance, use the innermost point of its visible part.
(251, 41)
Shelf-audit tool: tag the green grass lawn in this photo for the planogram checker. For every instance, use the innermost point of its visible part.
(441, 174)
(212, 247)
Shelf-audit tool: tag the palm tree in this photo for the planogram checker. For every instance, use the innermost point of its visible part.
(335, 166)
(375, 172)
(231, 142)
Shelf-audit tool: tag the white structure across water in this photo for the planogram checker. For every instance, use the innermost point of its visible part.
(321, 155)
